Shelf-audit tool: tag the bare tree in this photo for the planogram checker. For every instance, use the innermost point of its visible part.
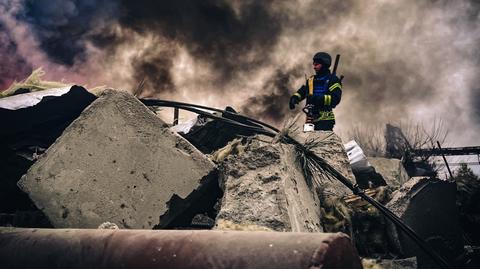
(418, 136)
(373, 142)
(369, 138)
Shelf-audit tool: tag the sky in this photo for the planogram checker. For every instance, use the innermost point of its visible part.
(408, 60)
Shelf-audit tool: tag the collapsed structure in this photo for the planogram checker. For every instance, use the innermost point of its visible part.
(118, 162)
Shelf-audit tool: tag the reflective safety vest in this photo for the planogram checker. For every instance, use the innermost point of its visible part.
(319, 87)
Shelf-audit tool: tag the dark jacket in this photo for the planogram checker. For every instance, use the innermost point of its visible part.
(324, 92)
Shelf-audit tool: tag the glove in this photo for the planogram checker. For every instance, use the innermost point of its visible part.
(293, 101)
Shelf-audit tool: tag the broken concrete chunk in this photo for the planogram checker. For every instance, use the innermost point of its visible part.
(119, 163)
(331, 149)
(408, 263)
(265, 190)
(428, 207)
(392, 170)
(210, 135)
(335, 215)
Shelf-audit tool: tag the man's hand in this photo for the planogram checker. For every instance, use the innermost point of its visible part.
(293, 101)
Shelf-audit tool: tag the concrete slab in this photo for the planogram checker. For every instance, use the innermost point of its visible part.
(264, 189)
(330, 148)
(335, 215)
(428, 207)
(117, 162)
(392, 170)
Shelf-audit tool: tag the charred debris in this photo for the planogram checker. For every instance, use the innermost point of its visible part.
(71, 159)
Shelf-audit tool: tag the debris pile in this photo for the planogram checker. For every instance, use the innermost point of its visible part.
(468, 195)
(31, 122)
(111, 162)
(428, 206)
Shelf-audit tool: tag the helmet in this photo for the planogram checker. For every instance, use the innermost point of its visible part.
(323, 58)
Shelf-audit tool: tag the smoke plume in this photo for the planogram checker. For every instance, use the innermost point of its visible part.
(410, 59)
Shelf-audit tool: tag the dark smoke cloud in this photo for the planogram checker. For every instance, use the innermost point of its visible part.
(269, 103)
(401, 59)
(154, 70)
(61, 26)
(12, 66)
(475, 103)
(375, 86)
(210, 30)
(474, 93)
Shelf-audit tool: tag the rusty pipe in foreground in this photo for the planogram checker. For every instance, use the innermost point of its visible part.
(89, 248)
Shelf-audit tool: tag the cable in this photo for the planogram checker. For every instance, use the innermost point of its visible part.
(156, 102)
(229, 121)
(318, 160)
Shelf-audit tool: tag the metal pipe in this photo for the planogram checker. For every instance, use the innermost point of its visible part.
(151, 102)
(445, 160)
(175, 116)
(335, 66)
(458, 151)
(89, 248)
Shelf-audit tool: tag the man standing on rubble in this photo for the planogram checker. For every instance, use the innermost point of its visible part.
(323, 92)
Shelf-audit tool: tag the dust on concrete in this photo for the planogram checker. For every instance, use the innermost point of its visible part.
(264, 188)
(117, 162)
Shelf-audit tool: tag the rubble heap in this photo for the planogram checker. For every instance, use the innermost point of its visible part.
(428, 207)
(119, 165)
(31, 123)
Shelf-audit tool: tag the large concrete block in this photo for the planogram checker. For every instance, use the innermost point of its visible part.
(392, 170)
(428, 207)
(117, 162)
(335, 215)
(329, 146)
(265, 190)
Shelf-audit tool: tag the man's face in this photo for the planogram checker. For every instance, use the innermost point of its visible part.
(317, 66)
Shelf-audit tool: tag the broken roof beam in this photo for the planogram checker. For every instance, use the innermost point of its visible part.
(457, 151)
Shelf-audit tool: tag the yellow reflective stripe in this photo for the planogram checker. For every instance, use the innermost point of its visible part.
(325, 115)
(327, 100)
(297, 94)
(310, 86)
(334, 86)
